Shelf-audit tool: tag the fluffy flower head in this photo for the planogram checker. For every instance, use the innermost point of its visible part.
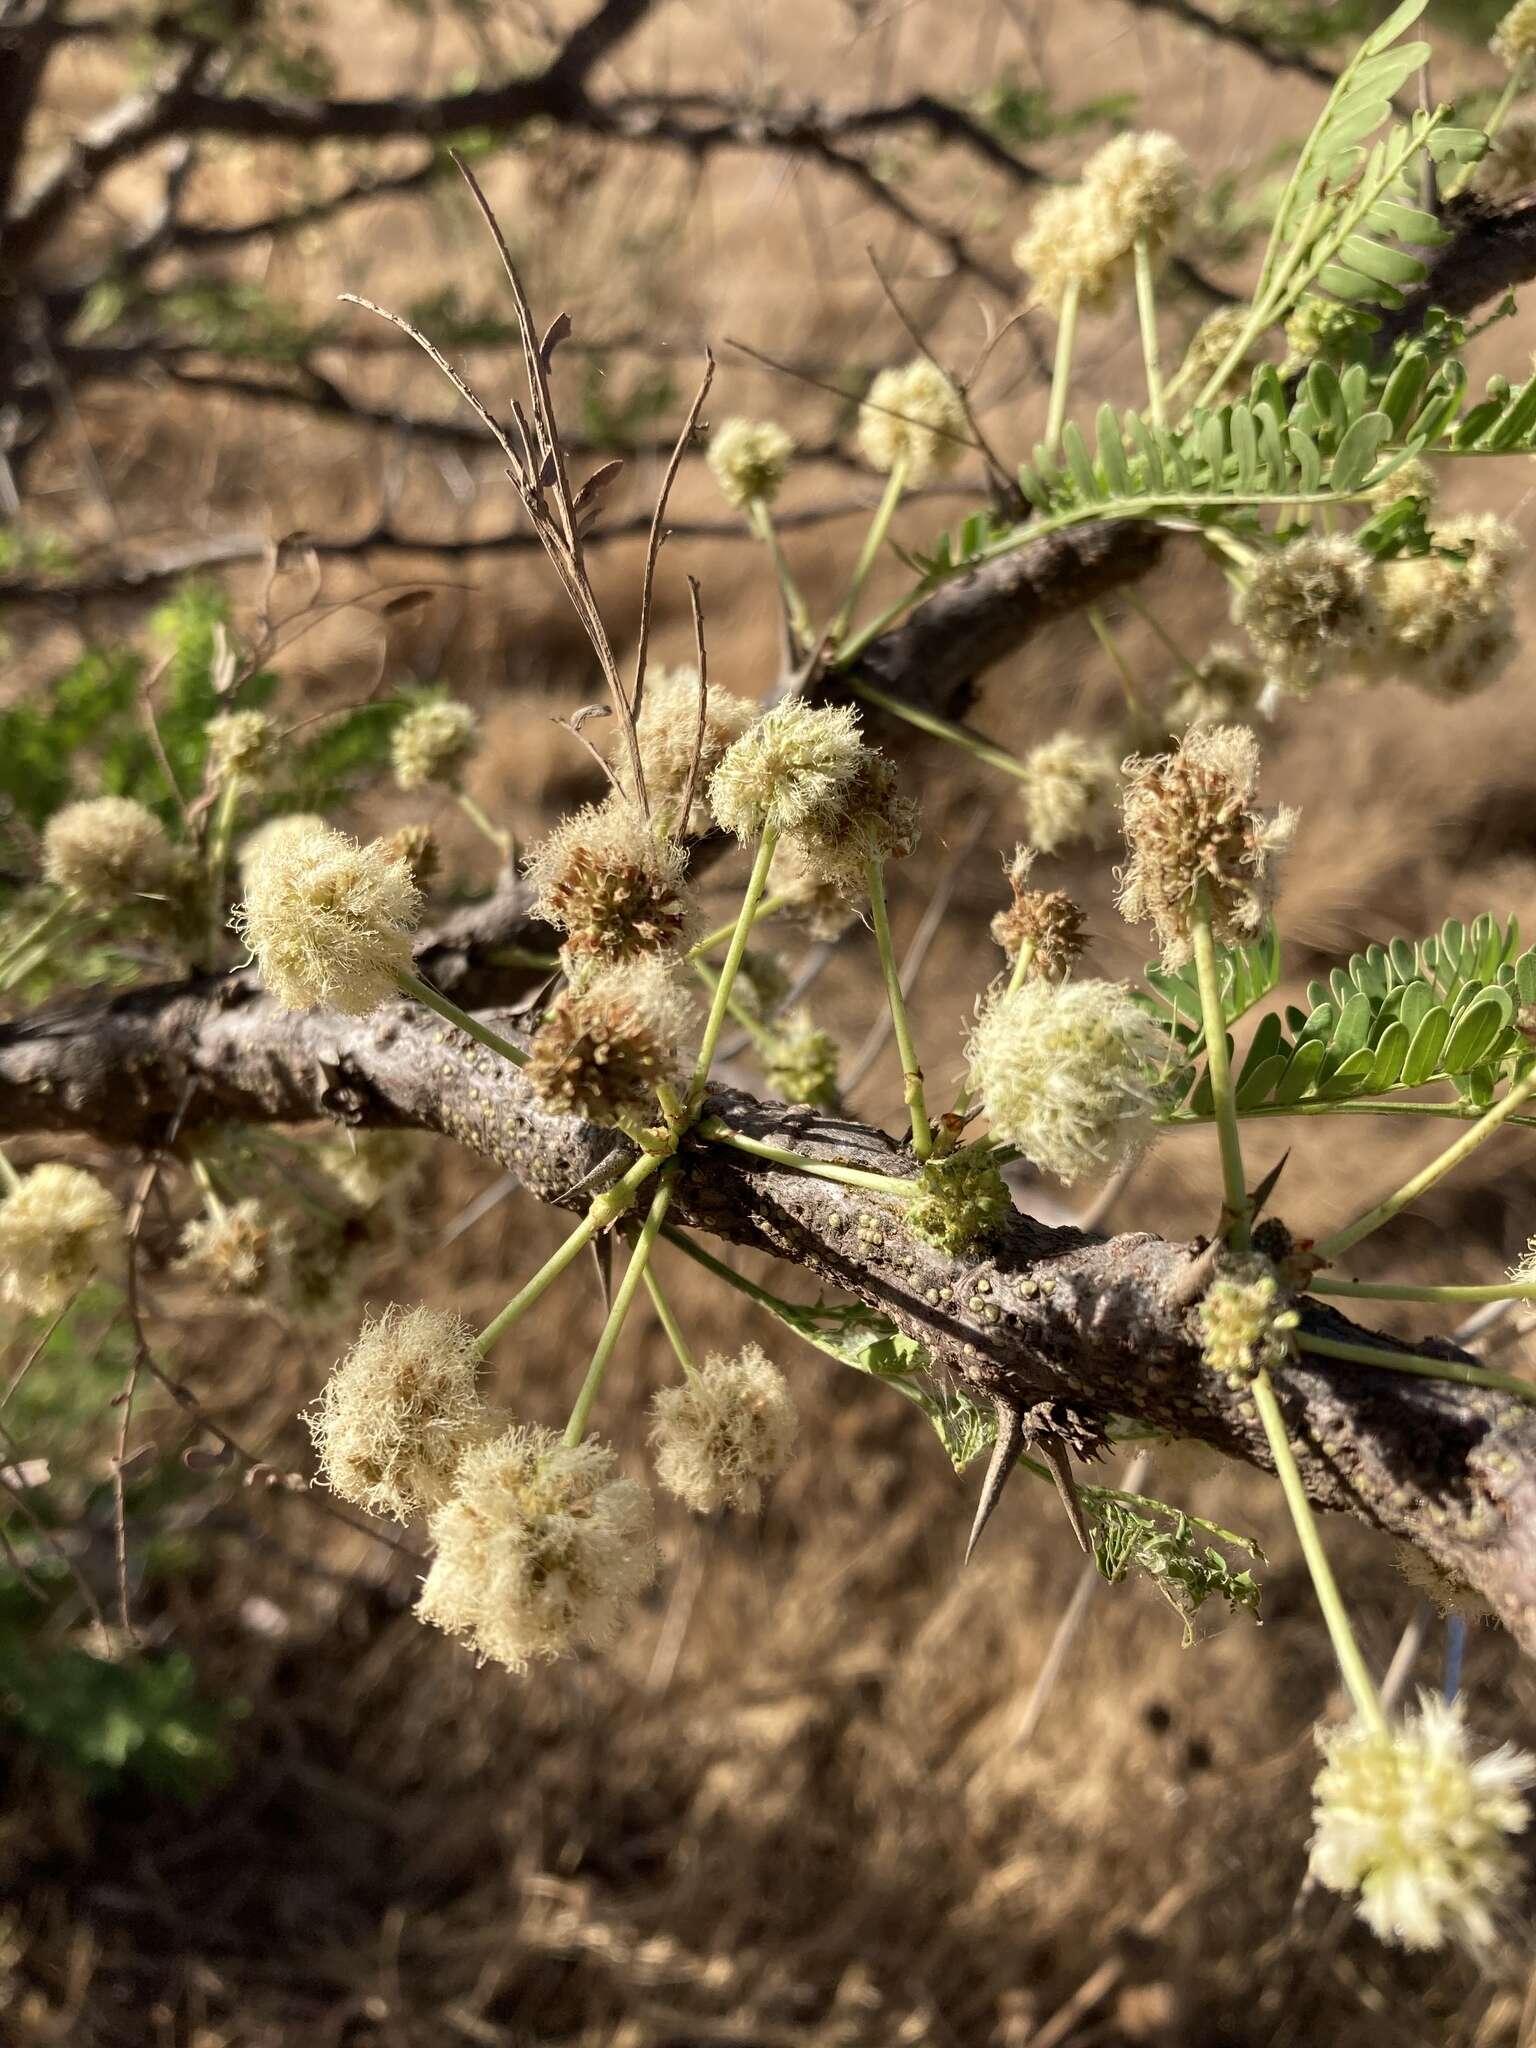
(328, 920)
(725, 1432)
(605, 1042)
(1190, 819)
(1311, 609)
(873, 822)
(1209, 348)
(791, 771)
(1062, 1068)
(914, 416)
(108, 850)
(56, 1228)
(1514, 40)
(666, 729)
(1066, 244)
(231, 1252)
(433, 742)
(243, 744)
(1448, 617)
(748, 459)
(612, 884)
(291, 826)
(1418, 1827)
(538, 1549)
(1068, 788)
(1140, 185)
(1509, 168)
(399, 1412)
(1224, 686)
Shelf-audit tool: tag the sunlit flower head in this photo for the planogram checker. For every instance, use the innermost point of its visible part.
(329, 921)
(749, 459)
(108, 851)
(56, 1228)
(913, 416)
(434, 742)
(611, 882)
(722, 1435)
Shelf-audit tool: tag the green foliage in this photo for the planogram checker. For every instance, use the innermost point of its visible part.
(1247, 974)
(1019, 114)
(614, 416)
(143, 1719)
(34, 551)
(1398, 1017)
(226, 314)
(1132, 1533)
(453, 324)
(345, 752)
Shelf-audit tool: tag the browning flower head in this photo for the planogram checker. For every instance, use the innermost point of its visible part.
(243, 745)
(608, 880)
(417, 846)
(398, 1414)
(873, 822)
(1068, 243)
(666, 729)
(607, 1041)
(1064, 1070)
(749, 458)
(959, 1200)
(328, 920)
(1190, 819)
(1045, 920)
(726, 1432)
(1420, 1829)
(1514, 40)
(1224, 687)
(792, 771)
(107, 850)
(56, 1228)
(232, 1252)
(800, 1062)
(1449, 620)
(914, 416)
(1140, 185)
(1068, 788)
(1245, 1325)
(434, 742)
(365, 1165)
(1509, 168)
(1209, 348)
(1311, 609)
(291, 826)
(538, 1549)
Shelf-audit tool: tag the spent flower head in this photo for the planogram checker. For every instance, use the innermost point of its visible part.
(1245, 1323)
(434, 742)
(56, 1228)
(1514, 40)
(399, 1412)
(232, 1251)
(417, 846)
(606, 1042)
(1069, 786)
(667, 730)
(1045, 920)
(749, 459)
(243, 746)
(539, 1549)
(1065, 1071)
(792, 771)
(913, 416)
(107, 850)
(1311, 609)
(1419, 1828)
(874, 821)
(1191, 820)
(366, 1165)
(328, 920)
(607, 878)
(722, 1435)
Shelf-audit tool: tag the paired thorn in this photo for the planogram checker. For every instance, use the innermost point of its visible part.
(1009, 1441)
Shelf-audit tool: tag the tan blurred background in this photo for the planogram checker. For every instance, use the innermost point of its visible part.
(819, 1797)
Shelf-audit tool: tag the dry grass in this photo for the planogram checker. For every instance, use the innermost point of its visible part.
(795, 1808)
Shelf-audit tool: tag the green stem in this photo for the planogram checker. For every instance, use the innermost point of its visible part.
(502, 841)
(1393, 1290)
(1146, 314)
(874, 540)
(1457, 1112)
(911, 1071)
(1233, 1180)
(746, 917)
(1383, 1212)
(941, 728)
(1061, 374)
(603, 1210)
(413, 985)
(717, 1132)
(684, 1243)
(634, 1272)
(211, 1196)
(1150, 618)
(1421, 1364)
(218, 859)
(769, 906)
(10, 1179)
(1514, 85)
(1358, 1679)
(674, 1329)
(1111, 647)
(40, 933)
(849, 651)
(760, 519)
(753, 1026)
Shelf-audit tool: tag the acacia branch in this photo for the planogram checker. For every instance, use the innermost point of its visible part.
(1097, 1328)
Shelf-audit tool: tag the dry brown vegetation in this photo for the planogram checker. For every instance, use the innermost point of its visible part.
(813, 1799)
